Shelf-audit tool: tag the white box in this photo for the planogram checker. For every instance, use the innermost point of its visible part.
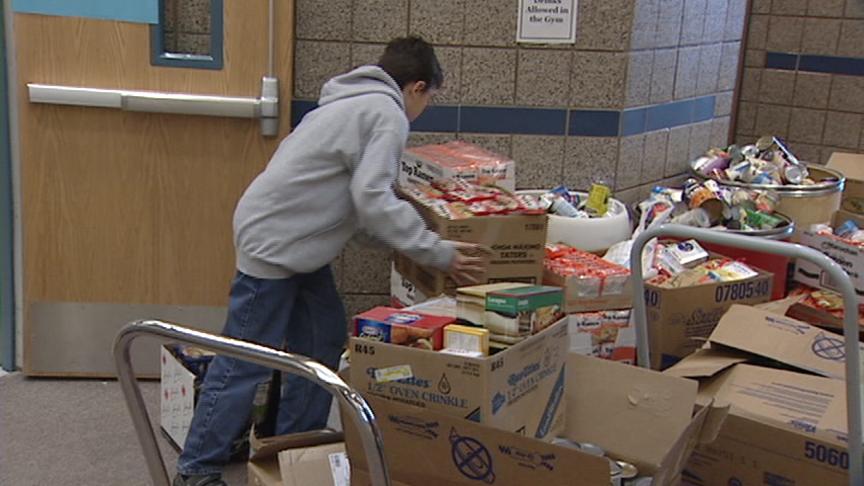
(430, 163)
(177, 393)
(850, 257)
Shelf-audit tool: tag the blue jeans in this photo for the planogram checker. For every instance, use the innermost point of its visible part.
(303, 314)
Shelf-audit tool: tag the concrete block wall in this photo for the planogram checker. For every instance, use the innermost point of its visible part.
(804, 76)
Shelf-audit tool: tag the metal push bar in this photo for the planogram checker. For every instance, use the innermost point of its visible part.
(360, 412)
(850, 315)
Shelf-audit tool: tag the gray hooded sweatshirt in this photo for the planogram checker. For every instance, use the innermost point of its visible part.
(331, 177)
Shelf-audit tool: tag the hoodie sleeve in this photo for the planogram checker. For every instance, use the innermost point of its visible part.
(386, 217)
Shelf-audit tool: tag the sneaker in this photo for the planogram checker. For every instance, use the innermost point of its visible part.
(199, 480)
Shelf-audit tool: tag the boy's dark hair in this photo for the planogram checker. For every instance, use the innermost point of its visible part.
(410, 59)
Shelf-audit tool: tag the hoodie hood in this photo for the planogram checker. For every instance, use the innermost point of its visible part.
(361, 81)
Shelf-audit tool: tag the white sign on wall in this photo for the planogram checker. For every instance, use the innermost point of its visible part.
(547, 21)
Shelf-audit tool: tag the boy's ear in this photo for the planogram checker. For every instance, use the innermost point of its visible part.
(420, 87)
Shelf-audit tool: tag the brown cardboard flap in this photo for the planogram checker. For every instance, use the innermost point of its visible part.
(850, 165)
(780, 306)
(423, 447)
(782, 339)
(706, 362)
(785, 399)
(680, 451)
(634, 413)
(262, 448)
(308, 465)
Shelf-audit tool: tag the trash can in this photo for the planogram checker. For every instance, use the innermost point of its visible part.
(588, 234)
(804, 205)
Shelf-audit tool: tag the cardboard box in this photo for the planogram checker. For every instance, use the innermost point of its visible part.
(426, 447)
(603, 334)
(178, 390)
(430, 163)
(782, 339)
(294, 459)
(519, 389)
(850, 257)
(573, 302)
(638, 415)
(680, 318)
(517, 242)
(851, 166)
(784, 427)
(403, 293)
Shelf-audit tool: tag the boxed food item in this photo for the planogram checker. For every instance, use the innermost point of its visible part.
(590, 283)
(683, 310)
(398, 326)
(182, 372)
(517, 389)
(603, 334)
(523, 311)
(458, 159)
(821, 308)
(471, 301)
(677, 257)
(784, 426)
(466, 338)
(512, 231)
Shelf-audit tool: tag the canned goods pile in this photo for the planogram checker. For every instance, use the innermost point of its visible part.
(594, 276)
(460, 199)
(561, 201)
(621, 473)
(767, 162)
(848, 232)
(708, 204)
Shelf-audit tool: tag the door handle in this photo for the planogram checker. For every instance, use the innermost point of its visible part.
(265, 107)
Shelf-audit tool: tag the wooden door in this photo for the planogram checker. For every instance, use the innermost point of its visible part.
(128, 215)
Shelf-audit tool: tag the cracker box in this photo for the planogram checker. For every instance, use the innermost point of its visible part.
(398, 326)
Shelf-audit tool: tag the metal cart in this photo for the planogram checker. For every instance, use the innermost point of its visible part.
(359, 411)
(850, 321)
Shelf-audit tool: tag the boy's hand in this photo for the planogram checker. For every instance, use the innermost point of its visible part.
(468, 264)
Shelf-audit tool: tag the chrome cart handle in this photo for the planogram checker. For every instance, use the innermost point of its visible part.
(792, 250)
(359, 411)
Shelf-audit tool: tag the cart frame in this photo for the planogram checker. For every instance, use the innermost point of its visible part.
(358, 409)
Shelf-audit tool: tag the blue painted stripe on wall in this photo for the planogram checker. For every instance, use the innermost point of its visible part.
(437, 119)
(633, 122)
(594, 123)
(669, 115)
(781, 60)
(527, 121)
(546, 121)
(142, 11)
(703, 109)
(849, 66)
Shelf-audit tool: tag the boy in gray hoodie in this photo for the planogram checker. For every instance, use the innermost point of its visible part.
(331, 179)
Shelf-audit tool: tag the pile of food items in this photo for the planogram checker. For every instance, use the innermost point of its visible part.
(561, 201)
(848, 232)
(459, 199)
(767, 162)
(686, 263)
(708, 204)
(594, 276)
